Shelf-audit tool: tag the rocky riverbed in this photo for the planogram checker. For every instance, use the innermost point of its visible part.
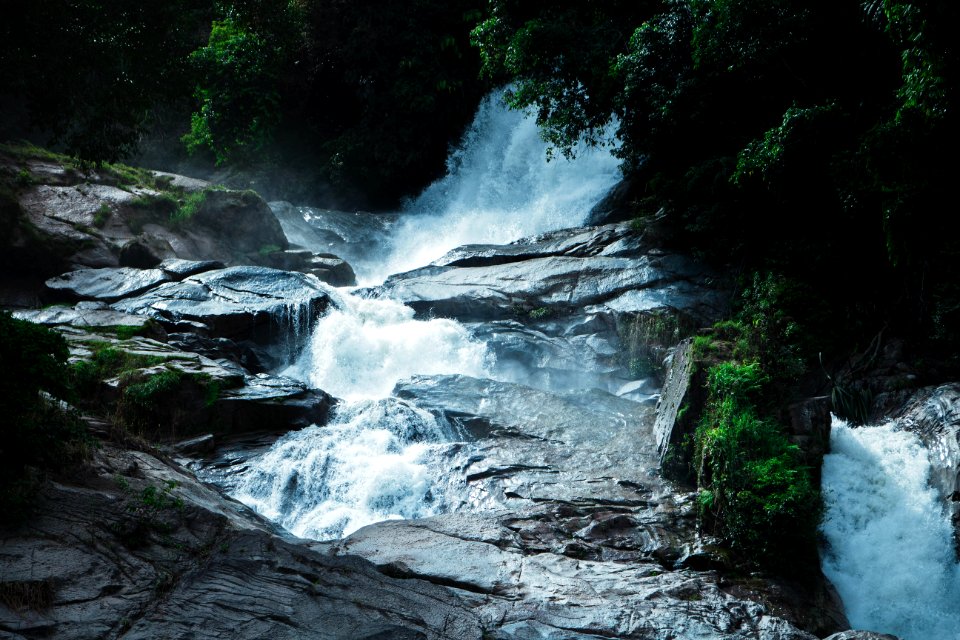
(558, 523)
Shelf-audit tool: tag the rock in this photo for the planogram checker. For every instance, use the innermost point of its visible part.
(357, 237)
(196, 446)
(139, 254)
(90, 219)
(189, 185)
(570, 271)
(87, 317)
(271, 403)
(809, 423)
(325, 266)
(107, 284)
(861, 635)
(258, 303)
(102, 561)
(211, 396)
(179, 269)
(545, 595)
(677, 412)
(934, 415)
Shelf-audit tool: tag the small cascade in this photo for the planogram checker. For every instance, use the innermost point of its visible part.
(364, 346)
(889, 547)
(293, 324)
(376, 460)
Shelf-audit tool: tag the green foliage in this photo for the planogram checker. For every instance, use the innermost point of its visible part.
(89, 73)
(38, 434)
(149, 515)
(540, 313)
(106, 362)
(189, 206)
(238, 97)
(755, 492)
(101, 215)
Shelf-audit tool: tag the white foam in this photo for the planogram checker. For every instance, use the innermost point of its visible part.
(376, 460)
(889, 545)
(499, 187)
(363, 348)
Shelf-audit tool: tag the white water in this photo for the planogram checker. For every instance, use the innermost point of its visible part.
(499, 188)
(381, 458)
(361, 350)
(889, 545)
(377, 460)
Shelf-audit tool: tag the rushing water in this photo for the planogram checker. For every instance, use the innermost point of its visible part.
(380, 457)
(889, 546)
(499, 187)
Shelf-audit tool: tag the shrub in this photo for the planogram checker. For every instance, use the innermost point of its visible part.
(754, 491)
(38, 433)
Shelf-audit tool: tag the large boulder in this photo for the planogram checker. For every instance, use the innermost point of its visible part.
(259, 303)
(137, 548)
(934, 415)
(598, 269)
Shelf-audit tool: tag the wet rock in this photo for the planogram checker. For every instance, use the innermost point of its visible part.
(139, 254)
(596, 269)
(258, 303)
(861, 635)
(547, 595)
(89, 316)
(325, 266)
(934, 415)
(677, 412)
(195, 564)
(108, 284)
(178, 269)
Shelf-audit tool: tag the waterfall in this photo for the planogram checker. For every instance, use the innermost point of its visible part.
(380, 457)
(889, 546)
(361, 349)
(499, 187)
(377, 460)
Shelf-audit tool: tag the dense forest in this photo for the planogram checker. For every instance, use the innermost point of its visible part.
(771, 134)
(807, 148)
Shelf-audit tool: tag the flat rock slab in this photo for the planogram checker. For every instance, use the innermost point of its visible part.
(198, 566)
(82, 317)
(570, 271)
(238, 302)
(107, 284)
(545, 595)
(178, 269)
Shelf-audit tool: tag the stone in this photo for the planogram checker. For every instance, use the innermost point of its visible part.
(861, 635)
(178, 269)
(570, 271)
(107, 284)
(933, 414)
(198, 565)
(266, 305)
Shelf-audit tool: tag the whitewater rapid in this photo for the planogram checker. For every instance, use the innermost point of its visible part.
(889, 546)
(499, 187)
(379, 457)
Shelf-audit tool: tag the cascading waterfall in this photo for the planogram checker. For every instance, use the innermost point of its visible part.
(377, 460)
(380, 457)
(889, 546)
(499, 187)
(364, 347)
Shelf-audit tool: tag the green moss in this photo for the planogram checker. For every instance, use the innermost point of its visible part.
(540, 313)
(267, 249)
(101, 215)
(189, 206)
(754, 490)
(107, 361)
